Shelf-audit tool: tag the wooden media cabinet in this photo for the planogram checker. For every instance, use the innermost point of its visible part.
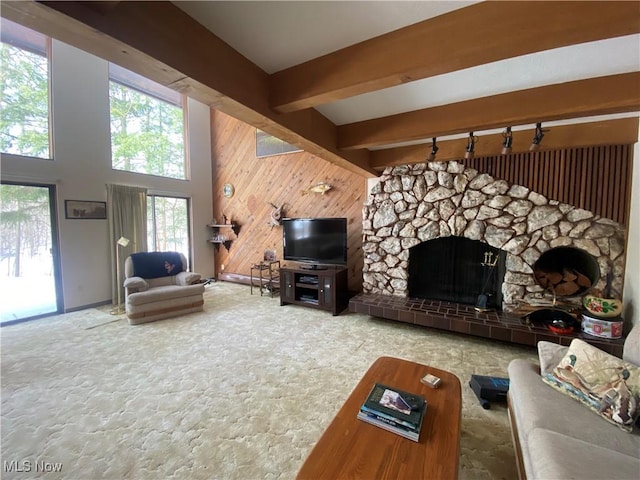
(325, 289)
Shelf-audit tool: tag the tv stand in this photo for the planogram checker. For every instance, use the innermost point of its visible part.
(325, 288)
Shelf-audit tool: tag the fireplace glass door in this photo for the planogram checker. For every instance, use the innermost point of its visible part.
(457, 269)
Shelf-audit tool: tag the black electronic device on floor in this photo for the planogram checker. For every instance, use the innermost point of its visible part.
(489, 389)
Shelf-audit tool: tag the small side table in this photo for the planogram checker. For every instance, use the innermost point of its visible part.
(265, 276)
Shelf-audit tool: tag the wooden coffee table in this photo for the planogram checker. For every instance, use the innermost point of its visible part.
(350, 448)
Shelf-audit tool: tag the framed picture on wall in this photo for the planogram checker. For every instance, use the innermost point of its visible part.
(85, 210)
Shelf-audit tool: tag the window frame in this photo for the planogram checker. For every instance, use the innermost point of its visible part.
(17, 40)
(146, 86)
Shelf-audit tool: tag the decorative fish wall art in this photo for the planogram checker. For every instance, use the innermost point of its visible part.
(320, 187)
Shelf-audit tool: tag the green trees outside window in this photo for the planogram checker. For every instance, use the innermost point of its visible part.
(24, 99)
(168, 224)
(147, 134)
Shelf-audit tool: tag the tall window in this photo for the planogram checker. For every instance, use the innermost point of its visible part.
(147, 126)
(24, 92)
(168, 224)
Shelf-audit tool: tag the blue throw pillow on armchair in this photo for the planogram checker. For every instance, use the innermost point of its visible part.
(156, 264)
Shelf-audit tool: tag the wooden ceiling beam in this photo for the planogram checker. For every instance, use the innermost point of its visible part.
(582, 98)
(161, 42)
(467, 37)
(622, 131)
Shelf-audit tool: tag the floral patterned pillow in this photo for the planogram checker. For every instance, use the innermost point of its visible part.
(606, 384)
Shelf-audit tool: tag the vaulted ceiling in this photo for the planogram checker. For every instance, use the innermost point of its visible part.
(365, 85)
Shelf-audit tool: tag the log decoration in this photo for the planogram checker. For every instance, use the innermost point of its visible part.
(565, 283)
(276, 216)
(523, 309)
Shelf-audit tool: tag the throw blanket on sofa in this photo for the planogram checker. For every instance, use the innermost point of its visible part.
(156, 264)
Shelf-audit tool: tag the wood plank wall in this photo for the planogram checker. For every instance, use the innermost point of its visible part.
(279, 180)
(593, 178)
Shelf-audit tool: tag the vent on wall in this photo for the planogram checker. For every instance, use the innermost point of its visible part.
(594, 178)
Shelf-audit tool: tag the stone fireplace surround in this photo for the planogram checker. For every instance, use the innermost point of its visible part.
(413, 204)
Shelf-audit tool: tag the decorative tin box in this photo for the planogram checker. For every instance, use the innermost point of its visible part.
(600, 327)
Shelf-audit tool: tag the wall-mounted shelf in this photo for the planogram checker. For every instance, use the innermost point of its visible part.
(218, 237)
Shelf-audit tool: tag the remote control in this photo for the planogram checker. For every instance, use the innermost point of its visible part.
(413, 402)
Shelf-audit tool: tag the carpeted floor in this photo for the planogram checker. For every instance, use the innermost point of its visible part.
(240, 391)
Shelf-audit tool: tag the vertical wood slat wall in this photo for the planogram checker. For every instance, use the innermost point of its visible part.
(593, 178)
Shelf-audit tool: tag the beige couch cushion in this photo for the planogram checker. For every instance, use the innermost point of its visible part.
(550, 354)
(631, 351)
(562, 457)
(168, 292)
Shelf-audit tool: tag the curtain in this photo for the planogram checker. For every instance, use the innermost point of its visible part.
(127, 208)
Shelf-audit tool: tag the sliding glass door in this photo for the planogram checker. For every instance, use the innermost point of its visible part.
(168, 224)
(29, 273)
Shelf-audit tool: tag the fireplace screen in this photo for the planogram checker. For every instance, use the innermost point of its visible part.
(457, 269)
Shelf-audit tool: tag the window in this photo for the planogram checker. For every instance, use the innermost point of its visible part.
(147, 126)
(268, 145)
(168, 224)
(24, 92)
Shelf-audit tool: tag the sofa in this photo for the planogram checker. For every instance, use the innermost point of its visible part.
(558, 435)
(157, 286)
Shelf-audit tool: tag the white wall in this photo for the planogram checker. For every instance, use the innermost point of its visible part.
(82, 167)
(631, 297)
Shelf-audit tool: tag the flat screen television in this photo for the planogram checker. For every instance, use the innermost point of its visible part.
(317, 241)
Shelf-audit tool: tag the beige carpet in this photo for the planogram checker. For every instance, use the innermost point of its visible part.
(240, 391)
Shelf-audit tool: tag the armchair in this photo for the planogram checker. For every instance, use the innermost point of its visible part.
(158, 286)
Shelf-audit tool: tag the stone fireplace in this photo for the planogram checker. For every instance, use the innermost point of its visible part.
(419, 203)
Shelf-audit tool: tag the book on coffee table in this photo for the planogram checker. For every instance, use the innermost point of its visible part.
(404, 432)
(394, 410)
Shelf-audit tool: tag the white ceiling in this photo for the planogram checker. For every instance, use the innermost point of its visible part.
(276, 35)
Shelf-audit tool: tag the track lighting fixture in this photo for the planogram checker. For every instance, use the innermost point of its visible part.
(434, 150)
(537, 138)
(471, 145)
(508, 141)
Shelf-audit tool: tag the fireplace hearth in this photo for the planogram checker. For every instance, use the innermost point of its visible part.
(464, 319)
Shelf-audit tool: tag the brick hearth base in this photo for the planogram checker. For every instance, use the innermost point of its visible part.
(464, 319)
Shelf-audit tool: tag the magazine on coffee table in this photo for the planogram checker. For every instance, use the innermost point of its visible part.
(394, 410)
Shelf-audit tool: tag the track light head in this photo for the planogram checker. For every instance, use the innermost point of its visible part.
(471, 145)
(434, 151)
(537, 138)
(508, 141)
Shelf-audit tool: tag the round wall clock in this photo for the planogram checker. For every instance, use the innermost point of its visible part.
(228, 190)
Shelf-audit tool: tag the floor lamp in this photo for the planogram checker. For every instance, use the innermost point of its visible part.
(122, 242)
